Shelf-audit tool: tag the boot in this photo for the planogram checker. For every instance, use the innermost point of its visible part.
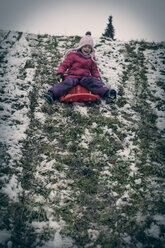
(49, 97)
(110, 96)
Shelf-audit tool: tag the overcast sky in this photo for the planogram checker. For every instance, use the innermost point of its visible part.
(132, 19)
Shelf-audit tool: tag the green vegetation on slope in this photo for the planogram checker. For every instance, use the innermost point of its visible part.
(92, 173)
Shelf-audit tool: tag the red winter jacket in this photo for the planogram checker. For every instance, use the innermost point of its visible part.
(78, 66)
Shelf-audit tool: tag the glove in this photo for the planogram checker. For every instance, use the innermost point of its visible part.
(60, 77)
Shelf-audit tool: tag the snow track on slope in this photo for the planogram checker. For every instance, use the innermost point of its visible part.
(14, 100)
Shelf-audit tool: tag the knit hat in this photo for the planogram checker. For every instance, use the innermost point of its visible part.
(85, 40)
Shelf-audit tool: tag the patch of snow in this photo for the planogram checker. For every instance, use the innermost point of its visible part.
(13, 188)
(138, 181)
(140, 218)
(126, 238)
(93, 234)
(86, 138)
(83, 110)
(160, 219)
(59, 242)
(4, 236)
(123, 200)
(14, 121)
(30, 72)
(155, 67)
(94, 125)
(39, 225)
(153, 231)
(110, 62)
(9, 244)
(39, 116)
(133, 169)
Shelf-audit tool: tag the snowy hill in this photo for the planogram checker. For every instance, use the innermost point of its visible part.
(81, 176)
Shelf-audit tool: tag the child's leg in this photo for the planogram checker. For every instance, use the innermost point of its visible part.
(95, 85)
(62, 88)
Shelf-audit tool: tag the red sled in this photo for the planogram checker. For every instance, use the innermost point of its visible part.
(80, 94)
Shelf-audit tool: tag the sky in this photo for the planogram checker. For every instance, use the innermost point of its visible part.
(132, 19)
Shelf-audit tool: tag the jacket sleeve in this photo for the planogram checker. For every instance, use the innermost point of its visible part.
(65, 64)
(94, 70)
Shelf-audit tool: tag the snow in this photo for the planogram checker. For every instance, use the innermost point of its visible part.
(81, 109)
(93, 234)
(138, 181)
(4, 236)
(153, 231)
(134, 169)
(59, 242)
(13, 188)
(160, 219)
(109, 65)
(15, 121)
(154, 61)
(52, 224)
(123, 200)
(86, 138)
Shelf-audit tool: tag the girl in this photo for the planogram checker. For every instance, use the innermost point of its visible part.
(81, 68)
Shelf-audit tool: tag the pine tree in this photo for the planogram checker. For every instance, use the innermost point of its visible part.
(110, 31)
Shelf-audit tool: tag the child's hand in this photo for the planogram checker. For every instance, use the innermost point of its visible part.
(60, 77)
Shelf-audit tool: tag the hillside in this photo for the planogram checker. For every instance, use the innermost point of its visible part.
(76, 176)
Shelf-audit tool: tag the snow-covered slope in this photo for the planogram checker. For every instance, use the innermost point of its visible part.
(81, 176)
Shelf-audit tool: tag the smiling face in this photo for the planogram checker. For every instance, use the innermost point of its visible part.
(86, 50)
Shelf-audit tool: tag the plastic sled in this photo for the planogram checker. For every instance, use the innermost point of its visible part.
(80, 94)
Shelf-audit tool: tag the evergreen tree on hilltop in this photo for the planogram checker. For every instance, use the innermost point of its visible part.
(110, 31)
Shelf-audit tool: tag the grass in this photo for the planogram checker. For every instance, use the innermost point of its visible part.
(93, 173)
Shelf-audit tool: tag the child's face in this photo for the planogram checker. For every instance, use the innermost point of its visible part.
(86, 50)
